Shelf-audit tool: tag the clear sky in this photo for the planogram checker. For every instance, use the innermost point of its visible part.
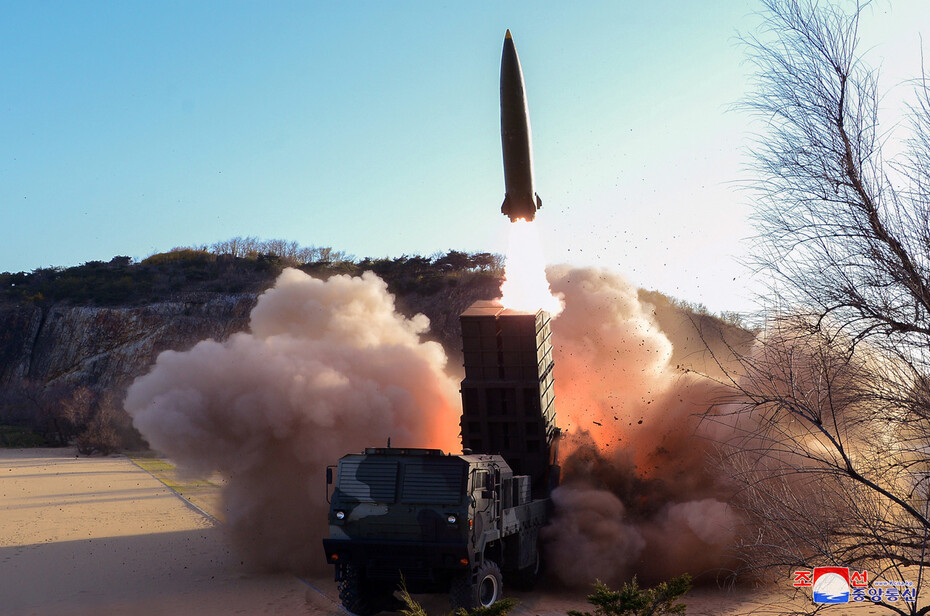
(128, 128)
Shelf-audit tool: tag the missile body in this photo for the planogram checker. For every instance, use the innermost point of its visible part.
(520, 199)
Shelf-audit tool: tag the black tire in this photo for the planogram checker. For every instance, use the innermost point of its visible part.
(485, 591)
(354, 594)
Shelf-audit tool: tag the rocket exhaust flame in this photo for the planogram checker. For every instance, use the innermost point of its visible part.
(525, 286)
(635, 480)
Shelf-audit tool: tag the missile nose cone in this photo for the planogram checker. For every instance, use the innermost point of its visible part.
(520, 199)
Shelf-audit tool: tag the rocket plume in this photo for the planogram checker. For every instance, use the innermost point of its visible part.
(525, 287)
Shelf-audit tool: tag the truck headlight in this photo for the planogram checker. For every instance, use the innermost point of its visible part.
(451, 519)
(340, 515)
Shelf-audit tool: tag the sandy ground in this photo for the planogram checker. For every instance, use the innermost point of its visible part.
(102, 536)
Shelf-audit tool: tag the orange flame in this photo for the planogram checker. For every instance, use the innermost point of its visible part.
(525, 287)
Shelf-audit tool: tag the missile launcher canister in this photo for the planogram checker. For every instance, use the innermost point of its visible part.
(508, 403)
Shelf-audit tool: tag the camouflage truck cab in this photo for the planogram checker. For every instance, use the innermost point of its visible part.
(444, 523)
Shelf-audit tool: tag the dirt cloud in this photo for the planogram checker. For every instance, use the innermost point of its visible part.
(328, 368)
(636, 472)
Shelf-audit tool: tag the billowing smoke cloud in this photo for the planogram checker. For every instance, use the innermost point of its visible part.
(590, 537)
(638, 493)
(329, 368)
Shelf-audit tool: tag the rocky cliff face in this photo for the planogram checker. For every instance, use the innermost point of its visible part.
(106, 348)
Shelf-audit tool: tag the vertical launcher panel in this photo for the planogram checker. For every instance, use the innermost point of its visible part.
(508, 405)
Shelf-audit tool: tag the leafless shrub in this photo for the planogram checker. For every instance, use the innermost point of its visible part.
(291, 252)
(102, 433)
(830, 410)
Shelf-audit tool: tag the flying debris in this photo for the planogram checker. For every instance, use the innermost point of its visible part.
(520, 199)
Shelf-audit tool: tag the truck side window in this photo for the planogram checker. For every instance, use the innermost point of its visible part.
(481, 481)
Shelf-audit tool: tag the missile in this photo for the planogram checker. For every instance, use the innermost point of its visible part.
(520, 198)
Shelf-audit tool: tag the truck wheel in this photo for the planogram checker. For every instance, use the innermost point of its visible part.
(352, 593)
(525, 578)
(485, 591)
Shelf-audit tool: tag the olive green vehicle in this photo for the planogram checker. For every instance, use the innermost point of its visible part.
(462, 524)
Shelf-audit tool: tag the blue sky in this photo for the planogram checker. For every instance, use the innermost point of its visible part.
(128, 128)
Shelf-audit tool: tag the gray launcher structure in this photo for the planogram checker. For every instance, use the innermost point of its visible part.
(508, 404)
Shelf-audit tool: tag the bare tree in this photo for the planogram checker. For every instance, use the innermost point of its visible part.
(844, 233)
(102, 431)
(831, 409)
(236, 246)
(76, 406)
(55, 412)
(290, 251)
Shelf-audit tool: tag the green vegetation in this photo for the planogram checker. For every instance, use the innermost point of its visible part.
(21, 436)
(239, 265)
(167, 473)
(499, 608)
(631, 600)
(122, 282)
(100, 433)
(36, 413)
(429, 275)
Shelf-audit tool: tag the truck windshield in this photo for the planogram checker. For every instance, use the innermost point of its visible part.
(373, 479)
(368, 480)
(433, 481)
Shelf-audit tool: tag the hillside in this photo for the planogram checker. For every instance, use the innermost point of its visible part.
(73, 339)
